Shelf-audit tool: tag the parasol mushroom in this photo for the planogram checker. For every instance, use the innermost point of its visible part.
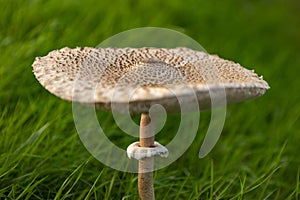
(134, 79)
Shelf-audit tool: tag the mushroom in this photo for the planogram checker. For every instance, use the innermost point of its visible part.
(134, 79)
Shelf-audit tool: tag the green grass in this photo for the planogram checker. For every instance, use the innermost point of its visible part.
(257, 156)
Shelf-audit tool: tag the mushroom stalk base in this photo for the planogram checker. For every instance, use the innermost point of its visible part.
(146, 165)
(145, 180)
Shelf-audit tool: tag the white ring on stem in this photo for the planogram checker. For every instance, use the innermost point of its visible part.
(139, 153)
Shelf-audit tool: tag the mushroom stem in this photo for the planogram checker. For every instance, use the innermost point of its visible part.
(145, 177)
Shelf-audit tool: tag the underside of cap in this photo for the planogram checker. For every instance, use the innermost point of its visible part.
(137, 78)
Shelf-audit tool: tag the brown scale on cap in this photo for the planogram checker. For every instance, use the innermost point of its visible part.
(143, 76)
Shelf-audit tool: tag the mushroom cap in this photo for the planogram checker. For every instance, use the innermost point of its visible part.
(141, 77)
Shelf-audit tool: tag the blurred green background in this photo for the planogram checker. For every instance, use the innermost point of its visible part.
(257, 156)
